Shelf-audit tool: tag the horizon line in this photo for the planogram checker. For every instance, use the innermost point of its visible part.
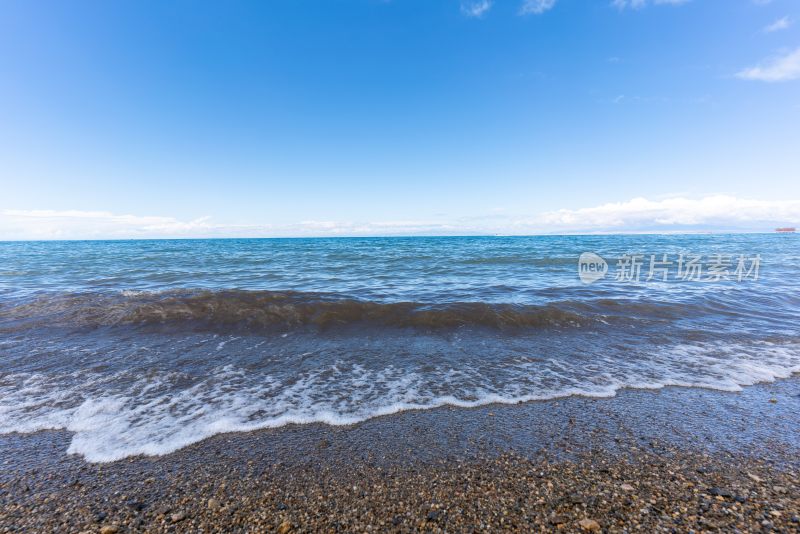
(399, 236)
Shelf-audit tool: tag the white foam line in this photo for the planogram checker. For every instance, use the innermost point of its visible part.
(152, 417)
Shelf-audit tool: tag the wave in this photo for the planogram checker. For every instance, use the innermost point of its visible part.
(118, 416)
(279, 309)
(255, 310)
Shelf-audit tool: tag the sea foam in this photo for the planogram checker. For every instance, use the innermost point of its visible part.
(112, 418)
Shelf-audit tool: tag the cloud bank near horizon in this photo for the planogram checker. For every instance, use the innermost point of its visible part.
(638, 215)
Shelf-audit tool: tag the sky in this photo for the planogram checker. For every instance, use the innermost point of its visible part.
(397, 117)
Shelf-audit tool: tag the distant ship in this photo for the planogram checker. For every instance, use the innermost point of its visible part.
(785, 230)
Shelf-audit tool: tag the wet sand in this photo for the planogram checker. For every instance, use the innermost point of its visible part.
(677, 460)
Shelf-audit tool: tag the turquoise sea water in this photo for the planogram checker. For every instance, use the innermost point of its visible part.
(142, 347)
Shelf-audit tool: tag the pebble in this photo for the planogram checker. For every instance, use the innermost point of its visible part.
(720, 492)
(177, 517)
(285, 527)
(136, 505)
(163, 510)
(213, 504)
(589, 525)
(109, 529)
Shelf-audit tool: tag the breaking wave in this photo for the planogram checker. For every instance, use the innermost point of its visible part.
(256, 310)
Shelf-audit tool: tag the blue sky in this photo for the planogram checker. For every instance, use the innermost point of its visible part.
(337, 117)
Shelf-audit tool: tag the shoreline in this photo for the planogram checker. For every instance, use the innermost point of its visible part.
(703, 459)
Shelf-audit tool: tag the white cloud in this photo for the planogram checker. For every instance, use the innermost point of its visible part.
(75, 224)
(637, 215)
(780, 24)
(638, 4)
(475, 8)
(778, 69)
(536, 7)
(710, 212)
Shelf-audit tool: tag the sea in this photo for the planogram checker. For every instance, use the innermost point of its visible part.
(142, 347)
